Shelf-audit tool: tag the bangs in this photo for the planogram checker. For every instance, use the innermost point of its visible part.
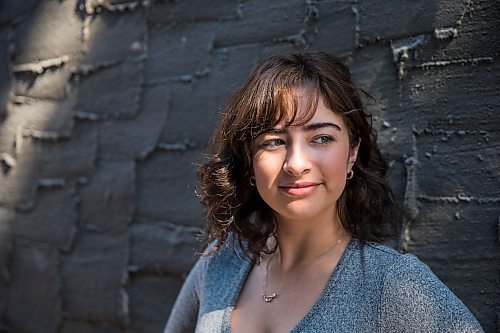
(289, 104)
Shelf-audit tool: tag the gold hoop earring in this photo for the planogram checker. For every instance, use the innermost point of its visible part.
(252, 181)
(350, 174)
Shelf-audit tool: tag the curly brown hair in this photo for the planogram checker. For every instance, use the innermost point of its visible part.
(367, 208)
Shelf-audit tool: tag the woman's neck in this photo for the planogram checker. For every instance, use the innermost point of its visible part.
(302, 242)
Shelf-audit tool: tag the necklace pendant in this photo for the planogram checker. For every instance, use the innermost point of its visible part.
(269, 298)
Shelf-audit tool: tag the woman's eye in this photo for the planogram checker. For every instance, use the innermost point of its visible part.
(272, 143)
(323, 139)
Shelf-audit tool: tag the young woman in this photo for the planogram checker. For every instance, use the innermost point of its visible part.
(297, 206)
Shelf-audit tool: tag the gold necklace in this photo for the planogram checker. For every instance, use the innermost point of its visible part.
(268, 298)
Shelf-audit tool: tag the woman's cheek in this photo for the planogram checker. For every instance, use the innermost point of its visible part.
(267, 168)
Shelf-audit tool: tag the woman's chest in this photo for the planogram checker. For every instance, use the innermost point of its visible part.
(278, 307)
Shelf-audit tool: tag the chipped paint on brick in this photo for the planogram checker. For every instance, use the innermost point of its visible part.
(445, 33)
(42, 66)
(401, 51)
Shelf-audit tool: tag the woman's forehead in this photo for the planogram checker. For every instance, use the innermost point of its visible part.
(296, 105)
(320, 114)
(302, 105)
(289, 106)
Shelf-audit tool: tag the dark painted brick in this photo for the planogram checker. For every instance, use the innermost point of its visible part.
(475, 38)
(135, 138)
(53, 220)
(456, 233)
(334, 30)
(179, 49)
(10, 10)
(192, 11)
(108, 201)
(40, 37)
(267, 50)
(452, 93)
(163, 247)
(396, 177)
(46, 116)
(52, 84)
(114, 6)
(375, 72)
(78, 326)
(449, 12)
(18, 187)
(41, 118)
(194, 105)
(5, 76)
(112, 92)
(67, 159)
(165, 188)
(113, 36)
(72, 158)
(34, 290)
(454, 164)
(9, 127)
(459, 243)
(7, 217)
(3, 307)
(263, 23)
(396, 141)
(230, 67)
(479, 30)
(473, 46)
(93, 278)
(408, 18)
(151, 299)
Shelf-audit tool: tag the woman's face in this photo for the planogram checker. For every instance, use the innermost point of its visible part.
(300, 171)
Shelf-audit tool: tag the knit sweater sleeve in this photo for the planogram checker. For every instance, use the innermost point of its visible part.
(184, 314)
(413, 299)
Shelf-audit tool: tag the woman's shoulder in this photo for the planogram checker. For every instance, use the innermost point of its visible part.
(400, 272)
(225, 259)
(382, 258)
(412, 296)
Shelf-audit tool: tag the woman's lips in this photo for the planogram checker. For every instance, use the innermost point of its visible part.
(299, 189)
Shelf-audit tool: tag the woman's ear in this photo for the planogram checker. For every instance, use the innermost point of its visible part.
(353, 154)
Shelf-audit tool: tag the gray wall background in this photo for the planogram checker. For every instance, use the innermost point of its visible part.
(106, 106)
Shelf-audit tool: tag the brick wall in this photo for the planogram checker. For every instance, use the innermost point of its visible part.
(106, 106)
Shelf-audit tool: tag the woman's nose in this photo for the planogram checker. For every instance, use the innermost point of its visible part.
(297, 160)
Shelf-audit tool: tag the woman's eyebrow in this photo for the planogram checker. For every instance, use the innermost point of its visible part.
(307, 128)
(275, 130)
(315, 126)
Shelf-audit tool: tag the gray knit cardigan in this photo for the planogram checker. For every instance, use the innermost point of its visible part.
(372, 289)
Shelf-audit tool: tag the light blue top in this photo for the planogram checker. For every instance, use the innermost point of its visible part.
(372, 289)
